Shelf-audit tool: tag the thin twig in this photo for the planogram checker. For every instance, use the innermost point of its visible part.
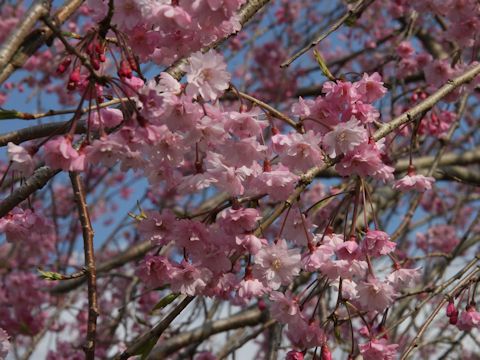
(354, 12)
(87, 232)
(272, 111)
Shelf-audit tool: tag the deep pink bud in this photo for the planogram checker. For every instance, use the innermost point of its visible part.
(63, 66)
(95, 64)
(454, 317)
(294, 355)
(102, 57)
(74, 79)
(261, 305)
(125, 70)
(99, 49)
(450, 308)
(326, 353)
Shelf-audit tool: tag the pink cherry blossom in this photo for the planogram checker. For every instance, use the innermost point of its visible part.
(377, 243)
(469, 319)
(375, 295)
(284, 307)
(189, 279)
(21, 160)
(414, 182)
(277, 265)
(60, 154)
(370, 87)
(238, 221)
(344, 137)
(404, 278)
(250, 243)
(206, 75)
(251, 288)
(378, 350)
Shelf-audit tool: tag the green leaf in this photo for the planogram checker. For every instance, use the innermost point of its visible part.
(164, 301)
(9, 114)
(50, 275)
(323, 65)
(146, 349)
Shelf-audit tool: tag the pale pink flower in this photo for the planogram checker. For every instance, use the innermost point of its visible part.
(284, 307)
(375, 295)
(469, 319)
(207, 75)
(414, 182)
(348, 250)
(238, 221)
(245, 124)
(365, 160)
(305, 334)
(403, 278)
(229, 178)
(108, 118)
(189, 279)
(279, 183)
(302, 151)
(155, 271)
(313, 261)
(344, 137)
(370, 87)
(303, 107)
(157, 227)
(250, 242)
(276, 265)
(59, 154)
(438, 72)
(377, 243)
(251, 288)
(378, 350)
(21, 160)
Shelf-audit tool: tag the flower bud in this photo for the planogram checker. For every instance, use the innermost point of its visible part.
(294, 355)
(326, 353)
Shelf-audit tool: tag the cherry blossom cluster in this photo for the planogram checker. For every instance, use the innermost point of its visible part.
(164, 31)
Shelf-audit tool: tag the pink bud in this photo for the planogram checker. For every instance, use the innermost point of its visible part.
(326, 353)
(261, 305)
(63, 66)
(454, 317)
(450, 308)
(95, 64)
(125, 70)
(294, 355)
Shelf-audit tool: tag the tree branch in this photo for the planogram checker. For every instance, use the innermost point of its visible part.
(35, 182)
(36, 39)
(38, 9)
(87, 231)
